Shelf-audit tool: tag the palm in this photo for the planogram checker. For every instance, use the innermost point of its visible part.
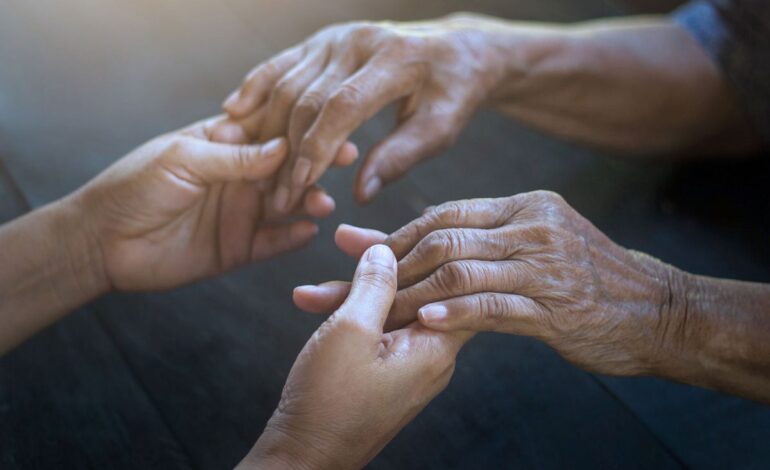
(182, 208)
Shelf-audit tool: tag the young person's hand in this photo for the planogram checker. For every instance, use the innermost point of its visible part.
(354, 387)
(181, 208)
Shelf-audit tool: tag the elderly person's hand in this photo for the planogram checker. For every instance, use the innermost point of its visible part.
(181, 208)
(354, 387)
(531, 265)
(320, 91)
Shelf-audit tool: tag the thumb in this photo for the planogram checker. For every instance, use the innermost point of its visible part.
(373, 289)
(216, 162)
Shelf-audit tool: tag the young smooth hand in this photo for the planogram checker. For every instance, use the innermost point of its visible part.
(181, 208)
(354, 387)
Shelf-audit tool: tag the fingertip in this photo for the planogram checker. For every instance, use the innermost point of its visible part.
(303, 230)
(354, 241)
(347, 155)
(433, 316)
(275, 147)
(319, 204)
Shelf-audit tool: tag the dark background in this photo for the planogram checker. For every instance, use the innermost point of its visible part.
(187, 379)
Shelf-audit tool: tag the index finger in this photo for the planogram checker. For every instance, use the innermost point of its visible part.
(259, 82)
(357, 99)
(471, 213)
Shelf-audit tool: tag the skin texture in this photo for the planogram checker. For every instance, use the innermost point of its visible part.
(531, 265)
(177, 209)
(387, 379)
(637, 86)
(182, 207)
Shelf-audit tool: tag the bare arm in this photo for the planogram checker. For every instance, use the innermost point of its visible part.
(639, 86)
(531, 265)
(158, 218)
(49, 267)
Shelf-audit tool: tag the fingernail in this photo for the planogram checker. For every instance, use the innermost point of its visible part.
(433, 313)
(281, 198)
(372, 187)
(380, 254)
(273, 146)
(231, 100)
(301, 171)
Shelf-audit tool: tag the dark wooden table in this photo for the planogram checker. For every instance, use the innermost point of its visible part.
(187, 379)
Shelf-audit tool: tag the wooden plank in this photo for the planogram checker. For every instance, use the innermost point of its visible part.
(67, 400)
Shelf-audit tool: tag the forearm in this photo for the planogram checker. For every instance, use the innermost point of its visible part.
(638, 86)
(720, 332)
(49, 266)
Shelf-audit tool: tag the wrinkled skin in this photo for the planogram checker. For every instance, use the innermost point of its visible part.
(353, 387)
(320, 91)
(529, 265)
(181, 208)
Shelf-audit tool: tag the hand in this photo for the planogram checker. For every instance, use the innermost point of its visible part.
(320, 91)
(530, 265)
(181, 208)
(352, 387)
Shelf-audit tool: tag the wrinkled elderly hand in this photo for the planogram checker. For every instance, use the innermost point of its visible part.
(181, 208)
(320, 91)
(354, 387)
(529, 265)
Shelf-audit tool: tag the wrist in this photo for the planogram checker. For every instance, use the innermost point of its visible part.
(278, 449)
(78, 240)
(678, 328)
(516, 55)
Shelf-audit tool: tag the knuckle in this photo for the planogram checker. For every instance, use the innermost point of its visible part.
(454, 277)
(243, 157)
(177, 146)
(346, 325)
(449, 212)
(491, 308)
(309, 104)
(378, 276)
(363, 31)
(347, 97)
(284, 93)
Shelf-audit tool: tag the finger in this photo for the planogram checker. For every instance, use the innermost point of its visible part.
(271, 241)
(213, 162)
(447, 245)
(470, 213)
(419, 137)
(347, 155)
(323, 298)
(258, 83)
(489, 311)
(356, 100)
(317, 203)
(286, 92)
(354, 241)
(462, 278)
(238, 131)
(373, 290)
(309, 104)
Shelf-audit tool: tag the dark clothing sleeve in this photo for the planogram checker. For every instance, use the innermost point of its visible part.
(736, 33)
